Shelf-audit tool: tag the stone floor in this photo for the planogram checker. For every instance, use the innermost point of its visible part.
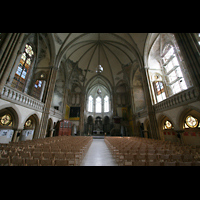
(98, 155)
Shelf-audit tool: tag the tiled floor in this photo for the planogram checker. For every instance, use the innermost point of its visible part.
(98, 155)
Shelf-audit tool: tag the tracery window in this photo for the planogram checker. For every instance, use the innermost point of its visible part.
(191, 122)
(23, 68)
(6, 120)
(37, 89)
(168, 125)
(90, 104)
(28, 123)
(199, 38)
(172, 70)
(98, 105)
(159, 90)
(197, 35)
(106, 104)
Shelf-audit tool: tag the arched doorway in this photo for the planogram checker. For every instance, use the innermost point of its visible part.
(90, 125)
(106, 126)
(30, 128)
(8, 124)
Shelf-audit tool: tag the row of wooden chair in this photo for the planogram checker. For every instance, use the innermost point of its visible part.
(122, 159)
(68, 148)
(147, 152)
(35, 162)
(158, 163)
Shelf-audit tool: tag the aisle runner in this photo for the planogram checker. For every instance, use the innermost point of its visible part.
(98, 155)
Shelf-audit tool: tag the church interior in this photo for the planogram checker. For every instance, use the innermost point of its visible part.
(65, 98)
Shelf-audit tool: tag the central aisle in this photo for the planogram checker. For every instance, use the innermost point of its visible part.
(98, 155)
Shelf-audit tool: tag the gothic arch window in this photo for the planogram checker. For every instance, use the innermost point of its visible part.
(23, 68)
(199, 38)
(172, 71)
(90, 104)
(37, 89)
(98, 105)
(106, 104)
(159, 90)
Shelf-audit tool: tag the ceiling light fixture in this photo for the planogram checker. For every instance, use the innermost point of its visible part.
(99, 69)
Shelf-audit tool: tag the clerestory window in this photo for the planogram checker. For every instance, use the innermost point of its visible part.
(23, 68)
(173, 74)
(106, 104)
(90, 104)
(98, 105)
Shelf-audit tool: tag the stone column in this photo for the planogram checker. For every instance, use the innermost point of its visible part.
(65, 98)
(51, 133)
(47, 105)
(150, 109)
(102, 106)
(9, 57)
(81, 121)
(134, 125)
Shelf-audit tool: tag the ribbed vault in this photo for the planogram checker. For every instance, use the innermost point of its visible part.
(115, 52)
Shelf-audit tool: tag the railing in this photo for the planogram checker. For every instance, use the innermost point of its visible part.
(15, 96)
(142, 113)
(56, 113)
(187, 96)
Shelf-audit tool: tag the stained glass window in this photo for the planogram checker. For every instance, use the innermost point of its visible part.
(5, 120)
(167, 124)
(28, 61)
(23, 56)
(28, 123)
(37, 89)
(19, 69)
(20, 77)
(191, 121)
(160, 94)
(29, 50)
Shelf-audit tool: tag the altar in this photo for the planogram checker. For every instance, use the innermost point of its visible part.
(98, 132)
(98, 126)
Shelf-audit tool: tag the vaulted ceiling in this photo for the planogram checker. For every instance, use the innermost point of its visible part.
(115, 52)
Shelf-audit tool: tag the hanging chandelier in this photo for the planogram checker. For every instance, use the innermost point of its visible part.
(99, 68)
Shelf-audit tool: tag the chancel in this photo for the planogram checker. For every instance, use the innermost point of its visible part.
(99, 99)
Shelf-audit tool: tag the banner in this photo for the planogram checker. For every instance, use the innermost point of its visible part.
(67, 112)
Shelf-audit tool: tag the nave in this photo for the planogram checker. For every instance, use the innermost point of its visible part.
(110, 151)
